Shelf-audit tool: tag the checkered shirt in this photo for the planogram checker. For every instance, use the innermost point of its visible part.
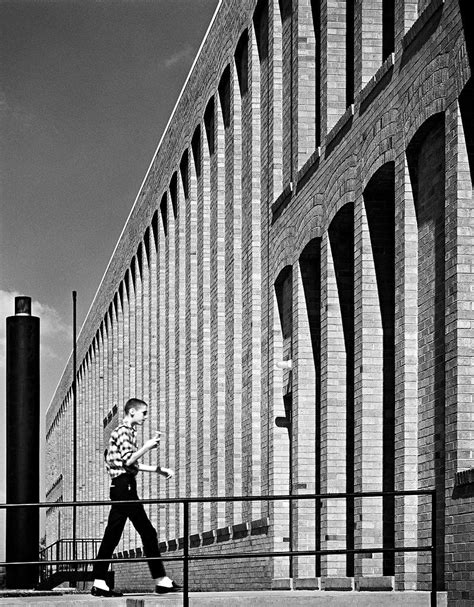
(122, 444)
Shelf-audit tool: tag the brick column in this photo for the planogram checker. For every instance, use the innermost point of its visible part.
(81, 442)
(333, 418)
(145, 361)
(121, 346)
(251, 283)
(426, 155)
(170, 425)
(132, 332)
(102, 356)
(115, 354)
(275, 84)
(368, 405)
(368, 40)
(286, 17)
(153, 355)
(233, 296)
(406, 376)
(459, 432)
(138, 325)
(145, 324)
(99, 486)
(262, 23)
(306, 295)
(161, 295)
(181, 407)
(305, 85)
(203, 370)
(333, 66)
(280, 460)
(406, 13)
(189, 168)
(460, 154)
(217, 313)
(90, 452)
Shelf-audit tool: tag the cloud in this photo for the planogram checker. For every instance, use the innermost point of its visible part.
(52, 328)
(186, 54)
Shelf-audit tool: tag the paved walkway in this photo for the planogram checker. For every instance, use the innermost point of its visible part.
(275, 598)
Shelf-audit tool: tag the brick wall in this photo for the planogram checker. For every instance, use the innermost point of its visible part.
(374, 227)
(208, 575)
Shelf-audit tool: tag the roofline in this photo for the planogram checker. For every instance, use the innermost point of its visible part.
(138, 194)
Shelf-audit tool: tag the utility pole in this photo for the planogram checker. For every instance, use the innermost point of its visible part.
(74, 428)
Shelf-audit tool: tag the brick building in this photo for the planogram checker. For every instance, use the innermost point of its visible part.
(310, 201)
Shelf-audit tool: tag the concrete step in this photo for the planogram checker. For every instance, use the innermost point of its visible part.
(270, 598)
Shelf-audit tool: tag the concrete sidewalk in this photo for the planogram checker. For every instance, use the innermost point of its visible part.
(275, 598)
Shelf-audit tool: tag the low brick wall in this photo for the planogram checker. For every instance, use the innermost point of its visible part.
(209, 575)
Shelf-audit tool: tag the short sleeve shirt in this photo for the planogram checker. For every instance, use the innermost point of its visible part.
(122, 444)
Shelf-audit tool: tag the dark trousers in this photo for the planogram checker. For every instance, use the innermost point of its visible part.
(124, 487)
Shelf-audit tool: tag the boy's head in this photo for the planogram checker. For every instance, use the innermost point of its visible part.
(136, 408)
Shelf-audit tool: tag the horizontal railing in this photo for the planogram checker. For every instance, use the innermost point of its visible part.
(186, 558)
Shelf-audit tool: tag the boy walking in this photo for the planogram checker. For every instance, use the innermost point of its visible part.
(122, 464)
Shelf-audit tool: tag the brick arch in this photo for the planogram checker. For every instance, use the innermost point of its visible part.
(422, 107)
(307, 229)
(184, 172)
(139, 259)
(415, 145)
(380, 149)
(378, 166)
(282, 254)
(126, 281)
(154, 228)
(283, 289)
(341, 190)
(196, 150)
(173, 190)
(146, 243)
(241, 61)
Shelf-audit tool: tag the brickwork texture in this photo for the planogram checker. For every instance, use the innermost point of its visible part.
(293, 295)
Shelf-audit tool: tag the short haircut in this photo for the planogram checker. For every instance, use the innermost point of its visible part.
(133, 403)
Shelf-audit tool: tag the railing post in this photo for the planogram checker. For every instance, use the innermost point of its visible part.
(186, 554)
(434, 559)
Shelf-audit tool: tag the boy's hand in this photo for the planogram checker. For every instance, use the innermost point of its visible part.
(166, 472)
(152, 443)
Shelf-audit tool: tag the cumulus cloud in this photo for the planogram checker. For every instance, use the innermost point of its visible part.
(52, 328)
(184, 54)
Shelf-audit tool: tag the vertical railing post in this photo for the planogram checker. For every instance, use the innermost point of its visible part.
(434, 554)
(186, 554)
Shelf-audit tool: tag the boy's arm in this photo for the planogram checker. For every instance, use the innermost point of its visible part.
(147, 445)
(166, 472)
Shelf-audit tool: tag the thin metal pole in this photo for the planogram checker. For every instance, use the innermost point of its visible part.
(434, 552)
(74, 423)
(186, 555)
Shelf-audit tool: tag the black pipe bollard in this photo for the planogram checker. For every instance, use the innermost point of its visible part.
(23, 417)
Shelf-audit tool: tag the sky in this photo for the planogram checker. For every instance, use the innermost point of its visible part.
(86, 90)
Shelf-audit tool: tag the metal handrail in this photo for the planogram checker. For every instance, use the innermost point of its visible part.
(186, 558)
(63, 548)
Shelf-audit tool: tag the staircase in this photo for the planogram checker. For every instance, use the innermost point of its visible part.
(63, 550)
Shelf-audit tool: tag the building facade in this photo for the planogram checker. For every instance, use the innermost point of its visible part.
(293, 295)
